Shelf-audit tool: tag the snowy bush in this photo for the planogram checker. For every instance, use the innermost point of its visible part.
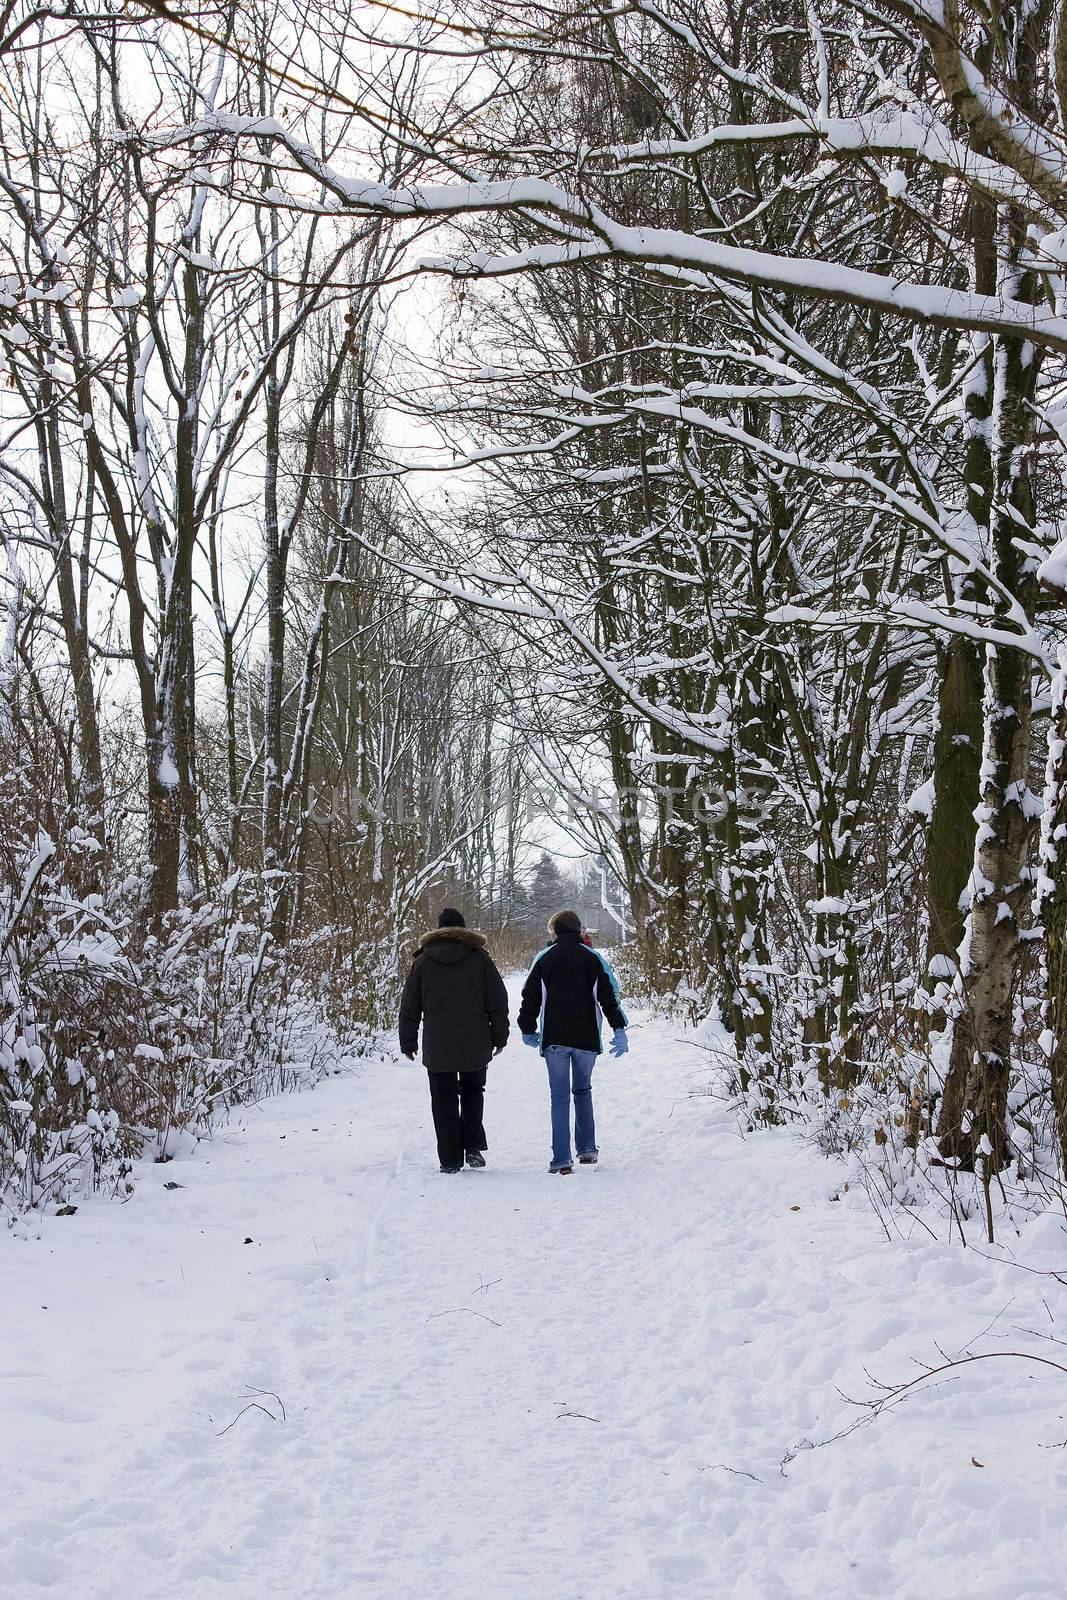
(113, 1038)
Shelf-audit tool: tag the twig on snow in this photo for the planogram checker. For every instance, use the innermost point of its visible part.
(895, 1392)
(1021, 1266)
(254, 1405)
(819, 1444)
(456, 1310)
(738, 1472)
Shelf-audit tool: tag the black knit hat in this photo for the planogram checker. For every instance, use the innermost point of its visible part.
(451, 918)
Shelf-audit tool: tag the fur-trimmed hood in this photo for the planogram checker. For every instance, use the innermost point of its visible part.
(449, 945)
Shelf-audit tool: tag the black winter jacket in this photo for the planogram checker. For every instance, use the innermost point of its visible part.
(457, 994)
(567, 987)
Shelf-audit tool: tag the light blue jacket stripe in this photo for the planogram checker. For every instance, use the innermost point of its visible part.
(606, 964)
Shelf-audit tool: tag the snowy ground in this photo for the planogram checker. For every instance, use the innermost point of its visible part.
(518, 1385)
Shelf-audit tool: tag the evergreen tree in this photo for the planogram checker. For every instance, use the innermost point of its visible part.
(548, 891)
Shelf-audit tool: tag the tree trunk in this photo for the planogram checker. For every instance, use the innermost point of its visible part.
(950, 839)
(974, 1104)
(1051, 899)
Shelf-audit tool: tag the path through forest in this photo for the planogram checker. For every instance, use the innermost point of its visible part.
(605, 1386)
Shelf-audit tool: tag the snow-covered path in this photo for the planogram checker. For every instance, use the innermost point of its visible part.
(512, 1384)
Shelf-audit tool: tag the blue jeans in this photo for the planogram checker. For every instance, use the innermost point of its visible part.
(567, 1067)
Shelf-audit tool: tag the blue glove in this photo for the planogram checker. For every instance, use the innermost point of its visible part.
(619, 1043)
(533, 1040)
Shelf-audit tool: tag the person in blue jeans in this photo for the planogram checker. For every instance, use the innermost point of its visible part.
(568, 988)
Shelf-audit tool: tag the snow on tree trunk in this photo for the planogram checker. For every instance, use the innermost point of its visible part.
(950, 836)
(974, 1103)
(1051, 901)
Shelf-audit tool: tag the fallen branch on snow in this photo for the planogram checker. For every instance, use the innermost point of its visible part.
(254, 1405)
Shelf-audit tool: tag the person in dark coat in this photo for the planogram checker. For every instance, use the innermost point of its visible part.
(568, 987)
(456, 992)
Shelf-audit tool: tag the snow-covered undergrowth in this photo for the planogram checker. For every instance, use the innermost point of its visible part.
(878, 1140)
(306, 1364)
(112, 1044)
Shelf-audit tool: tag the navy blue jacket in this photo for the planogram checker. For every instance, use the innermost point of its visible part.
(568, 986)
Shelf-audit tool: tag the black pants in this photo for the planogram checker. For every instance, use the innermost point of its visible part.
(458, 1100)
